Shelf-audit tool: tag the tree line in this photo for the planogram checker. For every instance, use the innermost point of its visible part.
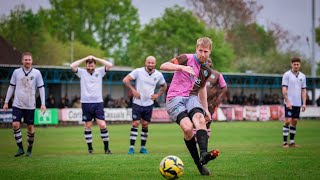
(112, 29)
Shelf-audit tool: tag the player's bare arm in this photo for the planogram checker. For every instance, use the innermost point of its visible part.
(74, 66)
(285, 96)
(304, 99)
(204, 103)
(106, 63)
(168, 66)
(163, 88)
(216, 102)
(126, 80)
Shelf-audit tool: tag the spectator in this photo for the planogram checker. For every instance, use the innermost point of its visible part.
(1, 101)
(275, 99)
(51, 103)
(67, 101)
(77, 103)
(308, 101)
(63, 103)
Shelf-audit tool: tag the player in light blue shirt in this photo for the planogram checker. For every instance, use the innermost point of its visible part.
(24, 83)
(294, 93)
(91, 97)
(146, 79)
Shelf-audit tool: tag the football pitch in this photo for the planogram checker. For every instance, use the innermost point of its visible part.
(249, 150)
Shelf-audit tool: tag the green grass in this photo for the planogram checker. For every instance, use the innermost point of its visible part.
(249, 150)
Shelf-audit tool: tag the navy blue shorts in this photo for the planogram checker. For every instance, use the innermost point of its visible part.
(26, 114)
(292, 113)
(92, 111)
(141, 112)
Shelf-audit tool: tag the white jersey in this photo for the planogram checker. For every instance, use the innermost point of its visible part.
(26, 84)
(91, 85)
(294, 84)
(146, 84)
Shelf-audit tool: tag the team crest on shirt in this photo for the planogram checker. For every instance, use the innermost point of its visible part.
(212, 76)
(205, 73)
(97, 75)
(155, 79)
(300, 79)
(31, 78)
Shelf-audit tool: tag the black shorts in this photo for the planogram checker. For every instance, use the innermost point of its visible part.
(26, 114)
(141, 112)
(292, 113)
(92, 110)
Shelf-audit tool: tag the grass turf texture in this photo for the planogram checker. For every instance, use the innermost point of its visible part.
(249, 150)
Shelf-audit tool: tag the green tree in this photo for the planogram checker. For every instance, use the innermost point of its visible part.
(250, 40)
(56, 52)
(97, 23)
(318, 35)
(272, 63)
(23, 29)
(175, 33)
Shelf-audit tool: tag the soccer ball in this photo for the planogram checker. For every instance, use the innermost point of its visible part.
(171, 167)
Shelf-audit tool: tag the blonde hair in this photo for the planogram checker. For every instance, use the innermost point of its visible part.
(204, 41)
(26, 54)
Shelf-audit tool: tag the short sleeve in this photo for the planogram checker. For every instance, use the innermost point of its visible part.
(13, 78)
(222, 82)
(304, 83)
(102, 71)
(161, 80)
(80, 72)
(285, 79)
(180, 60)
(134, 74)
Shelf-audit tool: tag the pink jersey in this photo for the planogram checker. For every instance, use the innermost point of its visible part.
(185, 84)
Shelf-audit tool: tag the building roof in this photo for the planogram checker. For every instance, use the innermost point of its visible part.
(8, 53)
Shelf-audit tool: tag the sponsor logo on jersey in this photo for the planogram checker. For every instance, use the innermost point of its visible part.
(197, 80)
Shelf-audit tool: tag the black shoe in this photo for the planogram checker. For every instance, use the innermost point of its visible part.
(204, 170)
(107, 151)
(29, 151)
(90, 151)
(208, 156)
(19, 152)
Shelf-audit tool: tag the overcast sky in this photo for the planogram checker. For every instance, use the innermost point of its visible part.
(292, 15)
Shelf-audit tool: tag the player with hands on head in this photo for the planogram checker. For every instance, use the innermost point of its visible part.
(91, 97)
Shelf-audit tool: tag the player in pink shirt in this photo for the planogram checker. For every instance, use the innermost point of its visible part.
(186, 101)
